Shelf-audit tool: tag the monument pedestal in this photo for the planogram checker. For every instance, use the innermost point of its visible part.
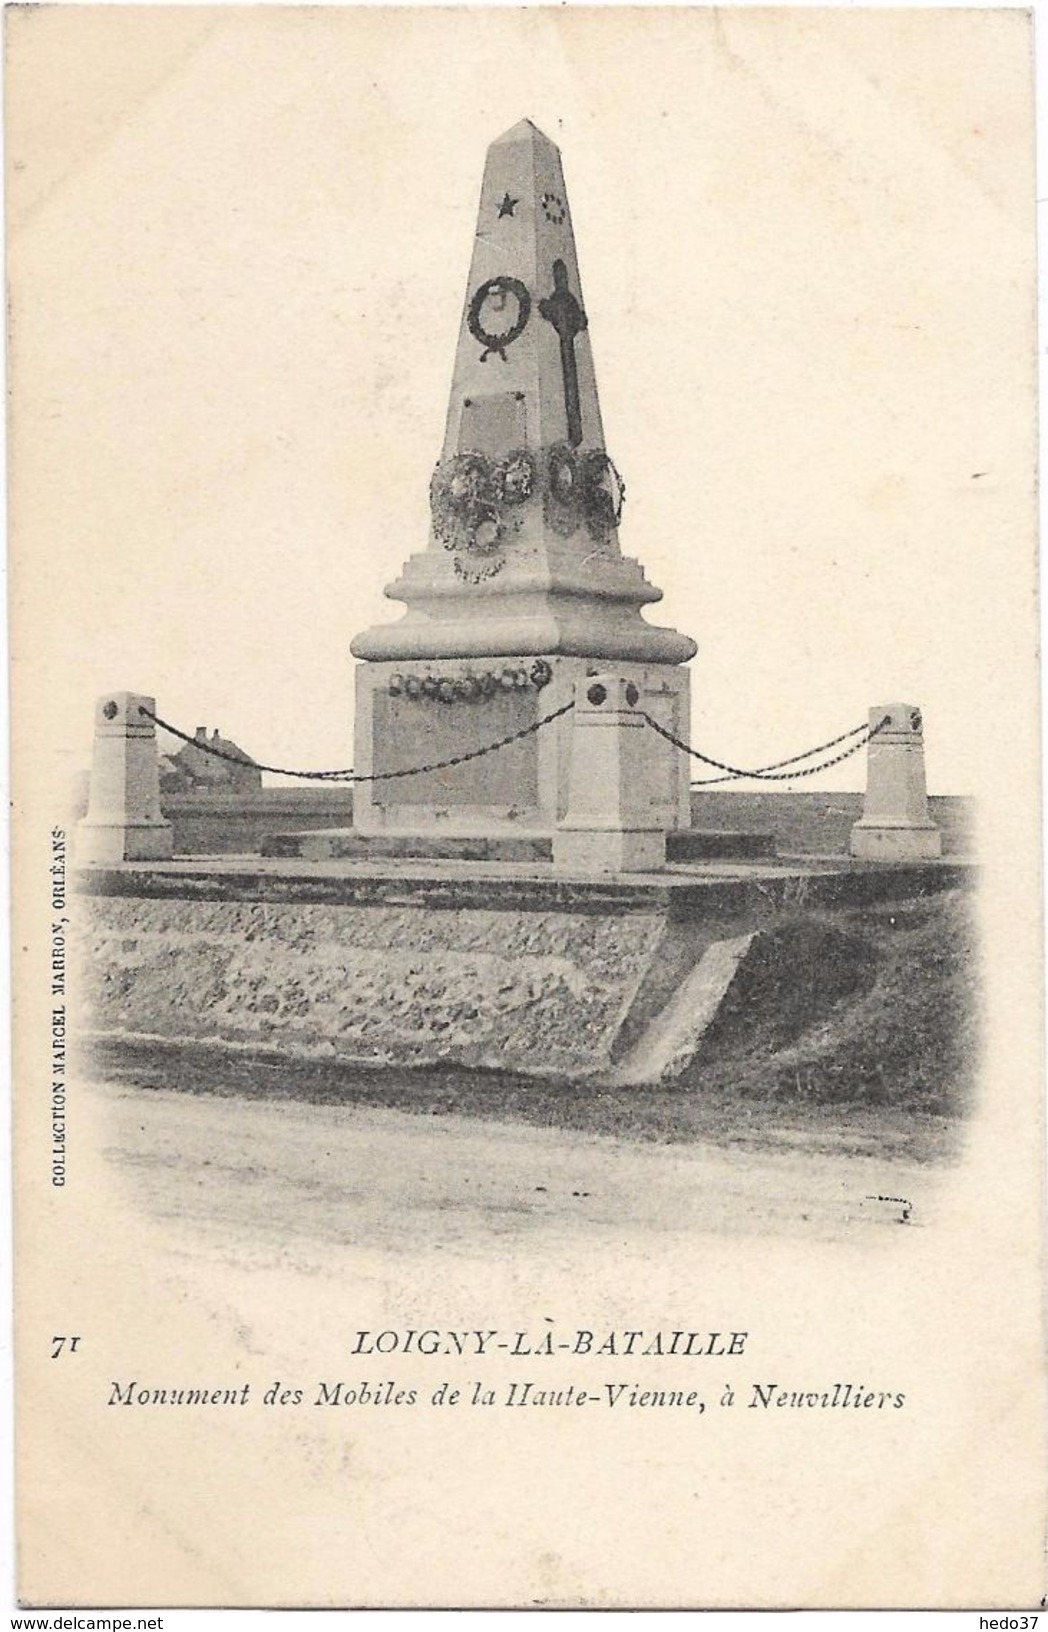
(412, 714)
(124, 821)
(612, 824)
(895, 823)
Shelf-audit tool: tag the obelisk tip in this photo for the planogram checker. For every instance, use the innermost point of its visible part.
(524, 131)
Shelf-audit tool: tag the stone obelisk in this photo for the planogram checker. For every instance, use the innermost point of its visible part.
(522, 589)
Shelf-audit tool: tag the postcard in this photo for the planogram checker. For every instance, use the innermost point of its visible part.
(527, 890)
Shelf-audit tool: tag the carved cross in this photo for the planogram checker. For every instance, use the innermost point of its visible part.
(567, 317)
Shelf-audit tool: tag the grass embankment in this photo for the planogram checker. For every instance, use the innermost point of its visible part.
(877, 1008)
(848, 1032)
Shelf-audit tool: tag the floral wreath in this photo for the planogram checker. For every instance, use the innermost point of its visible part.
(463, 502)
(516, 477)
(475, 501)
(603, 494)
(469, 497)
(562, 489)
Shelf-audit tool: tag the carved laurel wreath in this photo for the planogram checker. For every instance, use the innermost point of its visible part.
(494, 289)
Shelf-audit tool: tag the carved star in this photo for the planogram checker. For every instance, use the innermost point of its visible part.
(507, 206)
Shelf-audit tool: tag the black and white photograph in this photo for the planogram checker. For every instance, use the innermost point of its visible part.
(544, 1086)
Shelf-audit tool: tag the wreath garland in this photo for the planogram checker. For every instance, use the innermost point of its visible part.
(516, 477)
(477, 502)
(475, 572)
(472, 500)
(462, 499)
(562, 489)
(603, 494)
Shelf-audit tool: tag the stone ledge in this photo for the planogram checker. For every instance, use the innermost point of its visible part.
(342, 843)
(683, 891)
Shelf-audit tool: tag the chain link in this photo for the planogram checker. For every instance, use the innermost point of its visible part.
(768, 772)
(349, 775)
(765, 773)
(779, 764)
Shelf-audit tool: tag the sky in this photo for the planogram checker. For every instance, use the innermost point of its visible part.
(238, 249)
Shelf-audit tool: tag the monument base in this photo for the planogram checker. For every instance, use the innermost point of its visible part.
(344, 843)
(876, 842)
(423, 713)
(100, 843)
(615, 851)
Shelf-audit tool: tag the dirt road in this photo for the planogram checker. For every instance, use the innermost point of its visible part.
(315, 1176)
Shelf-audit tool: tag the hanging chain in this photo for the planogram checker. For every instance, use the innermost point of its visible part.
(733, 773)
(771, 773)
(349, 775)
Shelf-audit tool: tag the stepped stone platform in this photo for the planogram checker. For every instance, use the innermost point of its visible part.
(465, 881)
(688, 844)
(402, 963)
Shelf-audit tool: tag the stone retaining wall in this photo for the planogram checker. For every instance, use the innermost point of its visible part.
(495, 969)
(524, 991)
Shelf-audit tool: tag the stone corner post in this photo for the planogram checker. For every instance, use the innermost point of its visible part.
(610, 825)
(124, 821)
(895, 823)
